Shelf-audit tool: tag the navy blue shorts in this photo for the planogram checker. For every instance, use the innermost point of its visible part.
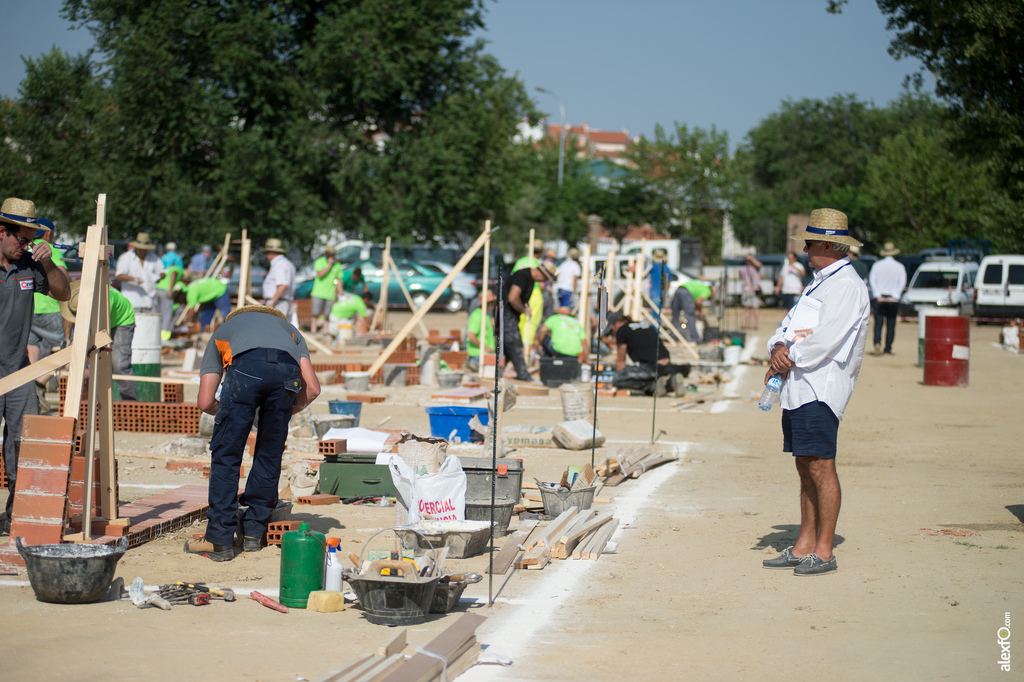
(810, 430)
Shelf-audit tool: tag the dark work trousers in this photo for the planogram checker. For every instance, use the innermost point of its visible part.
(684, 309)
(886, 311)
(261, 379)
(514, 345)
(548, 349)
(14, 405)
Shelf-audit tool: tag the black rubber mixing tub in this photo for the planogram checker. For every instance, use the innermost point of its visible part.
(71, 573)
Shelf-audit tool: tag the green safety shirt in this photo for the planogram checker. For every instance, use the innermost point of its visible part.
(473, 326)
(349, 284)
(122, 313)
(323, 287)
(698, 288)
(348, 307)
(178, 284)
(567, 335)
(204, 291)
(44, 302)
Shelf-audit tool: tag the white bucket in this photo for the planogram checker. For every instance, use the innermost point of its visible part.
(146, 341)
(357, 381)
(731, 354)
(344, 329)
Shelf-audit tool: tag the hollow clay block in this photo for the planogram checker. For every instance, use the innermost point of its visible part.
(325, 601)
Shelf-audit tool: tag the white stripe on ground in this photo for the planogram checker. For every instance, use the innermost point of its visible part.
(510, 631)
(738, 372)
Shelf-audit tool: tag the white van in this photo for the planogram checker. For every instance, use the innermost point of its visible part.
(946, 284)
(1000, 289)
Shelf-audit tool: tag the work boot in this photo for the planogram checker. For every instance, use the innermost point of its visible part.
(878, 349)
(251, 544)
(205, 548)
(5, 525)
(661, 386)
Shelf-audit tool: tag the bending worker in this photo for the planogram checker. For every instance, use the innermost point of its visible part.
(562, 336)
(652, 370)
(265, 366)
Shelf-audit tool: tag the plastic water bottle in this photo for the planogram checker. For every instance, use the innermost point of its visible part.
(332, 569)
(771, 390)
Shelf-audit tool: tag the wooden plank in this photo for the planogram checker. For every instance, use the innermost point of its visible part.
(554, 529)
(335, 674)
(380, 311)
(576, 532)
(537, 557)
(244, 274)
(396, 645)
(32, 372)
(152, 380)
(577, 551)
(601, 539)
(510, 550)
(436, 294)
(528, 388)
(450, 644)
(384, 667)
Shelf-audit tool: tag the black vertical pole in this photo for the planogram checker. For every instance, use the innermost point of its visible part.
(499, 350)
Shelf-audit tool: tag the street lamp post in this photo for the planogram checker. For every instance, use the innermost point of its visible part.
(561, 133)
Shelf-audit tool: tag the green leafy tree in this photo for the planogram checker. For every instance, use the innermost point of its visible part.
(51, 155)
(292, 118)
(694, 179)
(973, 50)
(920, 194)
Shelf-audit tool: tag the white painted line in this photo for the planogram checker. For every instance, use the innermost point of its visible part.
(510, 632)
(738, 372)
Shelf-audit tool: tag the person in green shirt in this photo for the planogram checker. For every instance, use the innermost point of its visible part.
(209, 294)
(352, 281)
(325, 288)
(473, 333)
(122, 330)
(47, 325)
(169, 284)
(355, 308)
(562, 336)
(688, 305)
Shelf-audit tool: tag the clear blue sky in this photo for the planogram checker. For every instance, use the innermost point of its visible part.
(629, 65)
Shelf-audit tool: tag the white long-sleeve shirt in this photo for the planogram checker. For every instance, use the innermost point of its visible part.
(888, 277)
(844, 313)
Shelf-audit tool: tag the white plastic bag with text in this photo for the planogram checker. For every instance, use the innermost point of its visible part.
(439, 496)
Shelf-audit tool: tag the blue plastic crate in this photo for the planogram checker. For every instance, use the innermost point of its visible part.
(446, 419)
(351, 407)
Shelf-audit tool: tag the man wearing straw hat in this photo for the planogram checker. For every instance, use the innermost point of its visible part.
(817, 350)
(25, 268)
(138, 271)
(279, 283)
(264, 362)
(122, 330)
(888, 279)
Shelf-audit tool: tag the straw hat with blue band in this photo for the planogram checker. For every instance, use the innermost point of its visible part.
(22, 213)
(827, 225)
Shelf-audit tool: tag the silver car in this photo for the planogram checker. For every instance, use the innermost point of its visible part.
(464, 288)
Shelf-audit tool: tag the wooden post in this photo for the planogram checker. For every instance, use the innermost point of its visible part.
(458, 267)
(380, 313)
(583, 305)
(484, 289)
(244, 270)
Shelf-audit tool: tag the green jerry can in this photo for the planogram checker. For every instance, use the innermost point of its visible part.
(303, 556)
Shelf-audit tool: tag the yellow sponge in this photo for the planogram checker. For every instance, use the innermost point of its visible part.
(325, 601)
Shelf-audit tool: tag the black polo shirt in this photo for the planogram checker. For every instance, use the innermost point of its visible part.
(641, 339)
(524, 278)
(18, 284)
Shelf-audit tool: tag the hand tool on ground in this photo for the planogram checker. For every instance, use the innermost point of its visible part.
(354, 558)
(137, 592)
(225, 594)
(268, 602)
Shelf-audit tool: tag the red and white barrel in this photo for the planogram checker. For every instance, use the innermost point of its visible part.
(947, 351)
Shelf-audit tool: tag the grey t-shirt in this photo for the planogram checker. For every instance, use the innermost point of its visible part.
(18, 284)
(248, 331)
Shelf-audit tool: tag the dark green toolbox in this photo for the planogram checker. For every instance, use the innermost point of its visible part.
(353, 474)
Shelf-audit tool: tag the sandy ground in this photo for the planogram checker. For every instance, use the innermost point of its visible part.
(929, 547)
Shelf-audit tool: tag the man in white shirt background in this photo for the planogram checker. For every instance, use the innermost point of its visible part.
(567, 279)
(279, 284)
(817, 350)
(138, 271)
(888, 279)
(791, 280)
